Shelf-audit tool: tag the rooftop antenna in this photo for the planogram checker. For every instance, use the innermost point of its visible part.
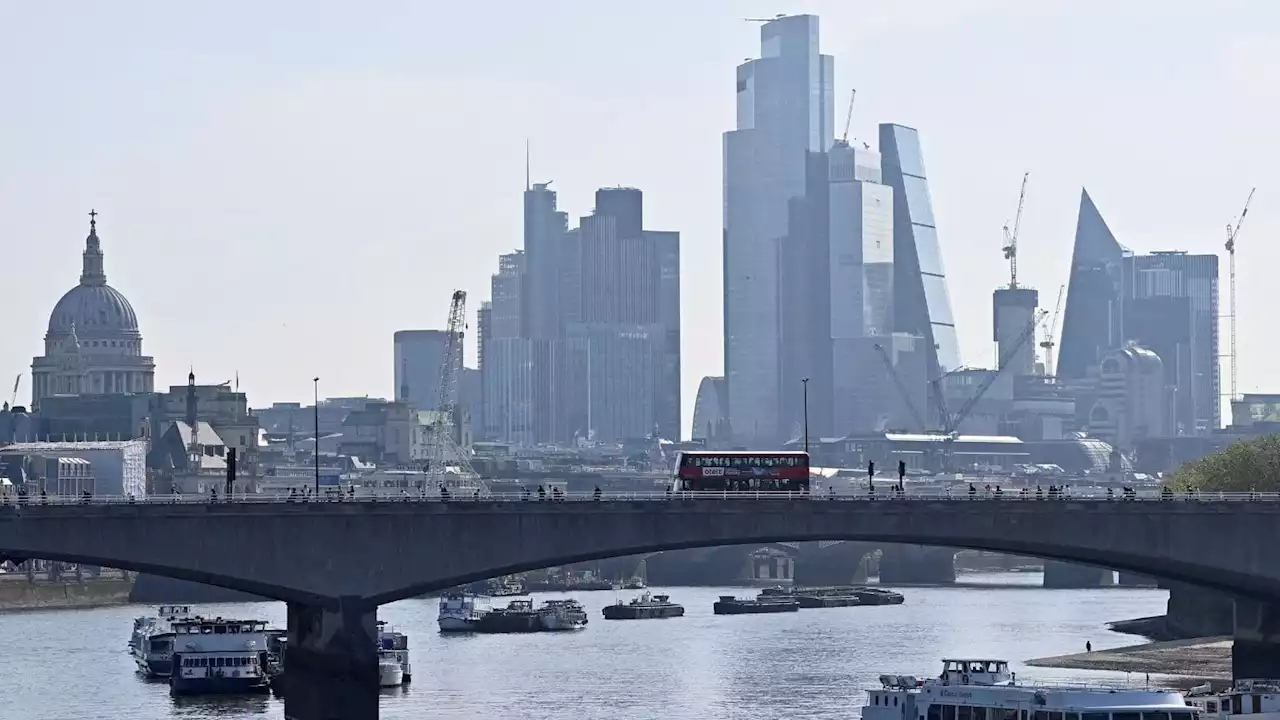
(527, 183)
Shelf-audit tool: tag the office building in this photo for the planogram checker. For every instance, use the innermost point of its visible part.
(1093, 320)
(1171, 308)
(544, 230)
(784, 114)
(418, 357)
(922, 303)
(1013, 329)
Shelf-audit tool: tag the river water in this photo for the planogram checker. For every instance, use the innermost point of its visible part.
(72, 664)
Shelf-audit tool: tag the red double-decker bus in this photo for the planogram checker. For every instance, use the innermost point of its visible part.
(733, 471)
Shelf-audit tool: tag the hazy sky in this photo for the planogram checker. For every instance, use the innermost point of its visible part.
(282, 185)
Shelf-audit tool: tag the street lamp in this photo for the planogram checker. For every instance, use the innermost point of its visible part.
(315, 382)
(805, 383)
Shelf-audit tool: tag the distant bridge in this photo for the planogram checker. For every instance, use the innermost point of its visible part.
(335, 562)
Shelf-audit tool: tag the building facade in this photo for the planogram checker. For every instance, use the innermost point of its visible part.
(93, 345)
(1093, 319)
(922, 302)
(418, 357)
(784, 104)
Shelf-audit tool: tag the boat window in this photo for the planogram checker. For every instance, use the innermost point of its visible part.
(1073, 716)
(895, 701)
(1226, 704)
(1211, 706)
(964, 712)
(935, 712)
(1055, 716)
(1126, 716)
(1041, 715)
(1257, 703)
(875, 699)
(1009, 714)
(979, 713)
(1158, 715)
(1093, 716)
(948, 712)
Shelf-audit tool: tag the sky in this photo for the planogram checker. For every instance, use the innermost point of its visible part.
(283, 185)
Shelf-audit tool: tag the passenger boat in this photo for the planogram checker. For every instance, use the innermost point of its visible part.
(390, 674)
(462, 612)
(643, 608)
(558, 615)
(220, 656)
(151, 643)
(395, 645)
(1259, 699)
(986, 690)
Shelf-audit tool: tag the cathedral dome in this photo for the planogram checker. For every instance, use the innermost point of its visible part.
(93, 309)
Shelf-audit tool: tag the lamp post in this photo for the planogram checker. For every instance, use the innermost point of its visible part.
(315, 383)
(805, 383)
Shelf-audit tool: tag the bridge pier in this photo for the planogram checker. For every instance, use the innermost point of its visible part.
(1255, 652)
(1128, 579)
(917, 565)
(1058, 574)
(331, 663)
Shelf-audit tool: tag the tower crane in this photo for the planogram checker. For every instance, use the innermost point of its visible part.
(779, 16)
(1011, 238)
(848, 117)
(902, 389)
(1232, 233)
(1048, 343)
(13, 398)
(444, 448)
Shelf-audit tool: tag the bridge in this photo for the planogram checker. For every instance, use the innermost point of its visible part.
(334, 563)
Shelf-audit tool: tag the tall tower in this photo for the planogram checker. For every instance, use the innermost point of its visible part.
(1013, 309)
(784, 114)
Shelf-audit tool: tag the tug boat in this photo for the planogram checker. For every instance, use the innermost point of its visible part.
(985, 690)
(220, 656)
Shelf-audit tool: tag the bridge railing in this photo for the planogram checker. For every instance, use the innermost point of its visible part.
(880, 495)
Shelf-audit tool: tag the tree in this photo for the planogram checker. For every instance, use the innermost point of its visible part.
(1242, 467)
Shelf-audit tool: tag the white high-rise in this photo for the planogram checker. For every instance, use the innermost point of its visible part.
(784, 113)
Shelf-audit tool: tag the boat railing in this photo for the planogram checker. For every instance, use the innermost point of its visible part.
(1081, 500)
(1127, 684)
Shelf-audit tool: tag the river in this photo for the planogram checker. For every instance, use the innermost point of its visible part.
(65, 664)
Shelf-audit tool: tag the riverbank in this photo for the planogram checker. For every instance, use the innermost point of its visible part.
(1198, 658)
(19, 594)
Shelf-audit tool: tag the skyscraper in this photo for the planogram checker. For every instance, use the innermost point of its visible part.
(922, 304)
(1171, 308)
(1094, 316)
(418, 354)
(784, 114)
(544, 229)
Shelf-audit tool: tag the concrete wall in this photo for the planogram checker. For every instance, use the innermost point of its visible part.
(18, 594)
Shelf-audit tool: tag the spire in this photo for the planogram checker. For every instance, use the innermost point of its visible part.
(527, 172)
(92, 272)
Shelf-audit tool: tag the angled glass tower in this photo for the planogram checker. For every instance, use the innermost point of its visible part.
(921, 302)
(1093, 322)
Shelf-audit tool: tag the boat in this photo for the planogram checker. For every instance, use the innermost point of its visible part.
(395, 645)
(462, 612)
(1259, 699)
(836, 596)
(220, 656)
(644, 607)
(151, 643)
(559, 615)
(878, 596)
(518, 616)
(390, 673)
(730, 605)
(982, 688)
(808, 602)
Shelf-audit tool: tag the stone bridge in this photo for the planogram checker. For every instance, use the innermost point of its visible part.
(335, 562)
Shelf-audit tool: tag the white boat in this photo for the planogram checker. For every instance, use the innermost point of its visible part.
(218, 656)
(461, 612)
(556, 615)
(395, 645)
(390, 674)
(986, 690)
(1259, 699)
(151, 643)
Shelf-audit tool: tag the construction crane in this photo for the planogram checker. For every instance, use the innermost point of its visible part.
(1011, 238)
(848, 117)
(779, 16)
(445, 450)
(13, 398)
(1232, 233)
(1048, 343)
(902, 389)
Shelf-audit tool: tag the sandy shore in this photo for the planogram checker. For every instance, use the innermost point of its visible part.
(1199, 658)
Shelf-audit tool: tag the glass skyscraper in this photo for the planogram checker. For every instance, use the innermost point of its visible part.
(1094, 317)
(784, 117)
(922, 304)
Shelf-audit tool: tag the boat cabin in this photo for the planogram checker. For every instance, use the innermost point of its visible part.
(1245, 697)
(174, 611)
(975, 672)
